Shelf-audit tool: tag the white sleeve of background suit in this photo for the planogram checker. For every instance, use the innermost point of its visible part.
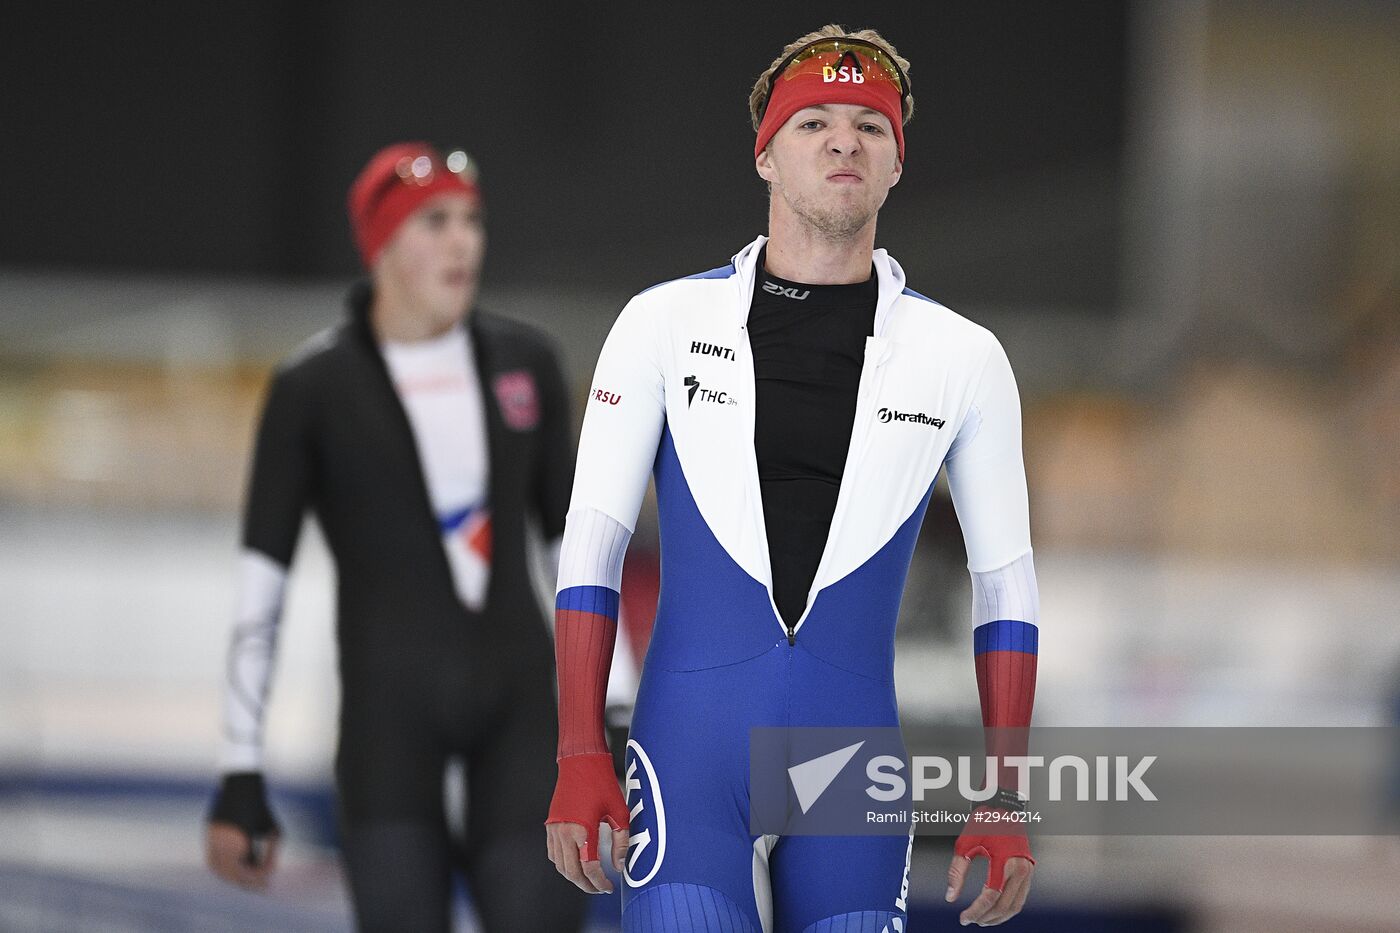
(986, 474)
(622, 420)
(261, 585)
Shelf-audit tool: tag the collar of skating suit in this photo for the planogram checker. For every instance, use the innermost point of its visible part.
(745, 261)
(357, 302)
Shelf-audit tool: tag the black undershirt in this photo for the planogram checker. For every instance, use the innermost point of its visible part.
(808, 344)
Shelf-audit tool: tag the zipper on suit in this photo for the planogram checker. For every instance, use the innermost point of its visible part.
(871, 380)
(756, 488)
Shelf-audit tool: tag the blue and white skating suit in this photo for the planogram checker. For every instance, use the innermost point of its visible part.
(673, 397)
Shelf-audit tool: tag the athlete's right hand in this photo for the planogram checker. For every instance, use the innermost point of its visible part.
(586, 796)
(242, 834)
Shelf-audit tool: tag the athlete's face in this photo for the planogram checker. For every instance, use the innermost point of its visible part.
(433, 262)
(831, 166)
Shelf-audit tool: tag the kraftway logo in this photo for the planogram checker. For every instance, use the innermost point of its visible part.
(886, 415)
(692, 388)
(711, 349)
(773, 288)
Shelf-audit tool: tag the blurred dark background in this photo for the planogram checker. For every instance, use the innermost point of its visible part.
(614, 139)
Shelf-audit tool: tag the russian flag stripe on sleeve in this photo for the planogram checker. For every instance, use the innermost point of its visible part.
(1006, 635)
(1004, 653)
(599, 600)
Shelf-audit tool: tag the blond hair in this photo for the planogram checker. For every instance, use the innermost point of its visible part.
(758, 97)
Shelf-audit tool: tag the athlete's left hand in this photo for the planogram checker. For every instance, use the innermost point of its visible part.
(1009, 871)
(586, 797)
(568, 851)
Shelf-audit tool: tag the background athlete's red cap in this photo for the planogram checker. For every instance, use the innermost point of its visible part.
(392, 185)
(803, 85)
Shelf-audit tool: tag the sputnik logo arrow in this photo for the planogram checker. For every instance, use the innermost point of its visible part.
(811, 778)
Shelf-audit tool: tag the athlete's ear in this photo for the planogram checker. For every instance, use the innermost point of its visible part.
(897, 172)
(763, 164)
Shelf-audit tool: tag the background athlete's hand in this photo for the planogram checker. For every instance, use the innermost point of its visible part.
(1009, 871)
(586, 796)
(236, 857)
(242, 835)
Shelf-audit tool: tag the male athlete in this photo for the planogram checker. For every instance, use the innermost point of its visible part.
(794, 407)
(422, 437)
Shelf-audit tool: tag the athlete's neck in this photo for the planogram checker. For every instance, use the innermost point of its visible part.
(395, 321)
(800, 253)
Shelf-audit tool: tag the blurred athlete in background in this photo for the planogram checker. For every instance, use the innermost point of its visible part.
(422, 437)
(795, 406)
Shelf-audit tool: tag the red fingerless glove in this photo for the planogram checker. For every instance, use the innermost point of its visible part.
(997, 842)
(587, 794)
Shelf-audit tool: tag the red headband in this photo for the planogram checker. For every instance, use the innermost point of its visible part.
(394, 184)
(823, 79)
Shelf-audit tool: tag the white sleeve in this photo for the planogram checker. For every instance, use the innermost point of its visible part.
(623, 676)
(592, 551)
(986, 474)
(1008, 592)
(592, 554)
(261, 587)
(622, 423)
(622, 420)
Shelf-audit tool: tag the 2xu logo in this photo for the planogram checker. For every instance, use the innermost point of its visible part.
(603, 395)
(773, 288)
(886, 415)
